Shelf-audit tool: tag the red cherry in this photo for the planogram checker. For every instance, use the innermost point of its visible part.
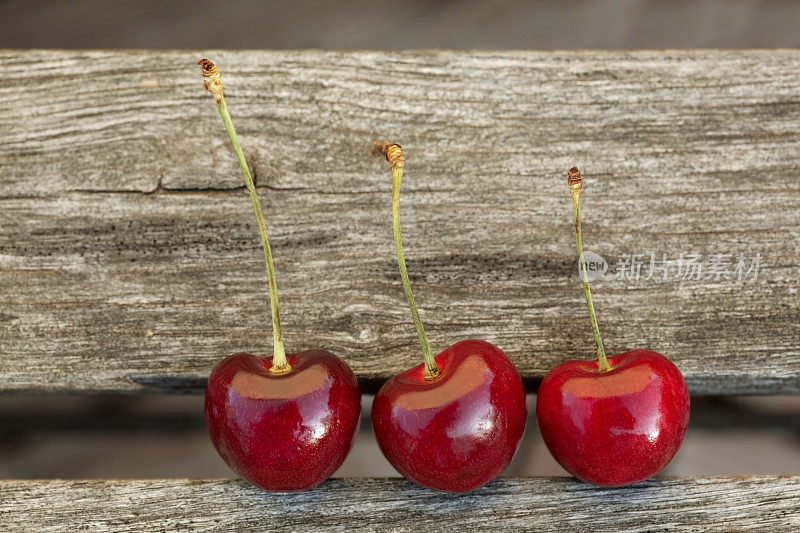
(617, 427)
(453, 423)
(286, 422)
(459, 431)
(615, 421)
(283, 432)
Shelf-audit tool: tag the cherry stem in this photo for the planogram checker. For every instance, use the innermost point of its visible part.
(394, 155)
(212, 81)
(574, 181)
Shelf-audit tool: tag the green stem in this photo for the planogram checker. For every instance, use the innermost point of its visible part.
(575, 192)
(431, 370)
(279, 363)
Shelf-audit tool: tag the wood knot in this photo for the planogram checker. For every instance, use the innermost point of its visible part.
(212, 79)
(574, 178)
(392, 151)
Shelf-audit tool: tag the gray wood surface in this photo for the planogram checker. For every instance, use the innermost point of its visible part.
(693, 504)
(129, 255)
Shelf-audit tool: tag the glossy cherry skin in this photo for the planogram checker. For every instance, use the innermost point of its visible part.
(618, 427)
(283, 432)
(459, 431)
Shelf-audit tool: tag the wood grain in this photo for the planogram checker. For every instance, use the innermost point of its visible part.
(130, 261)
(693, 504)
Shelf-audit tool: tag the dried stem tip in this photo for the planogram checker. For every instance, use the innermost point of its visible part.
(212, 79)
(392, 151)
(574, 178)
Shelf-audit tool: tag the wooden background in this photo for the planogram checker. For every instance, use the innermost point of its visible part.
(130, 260)
(689, 504)
(388, 25)
(129, 255)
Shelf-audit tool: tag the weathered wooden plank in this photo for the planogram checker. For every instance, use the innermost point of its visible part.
(685, 504)
(129, 259)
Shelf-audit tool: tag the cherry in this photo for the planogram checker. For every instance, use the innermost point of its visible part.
(619, 420)
(287, 422)
(283, 432)
(454, 422)
(458, 431)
